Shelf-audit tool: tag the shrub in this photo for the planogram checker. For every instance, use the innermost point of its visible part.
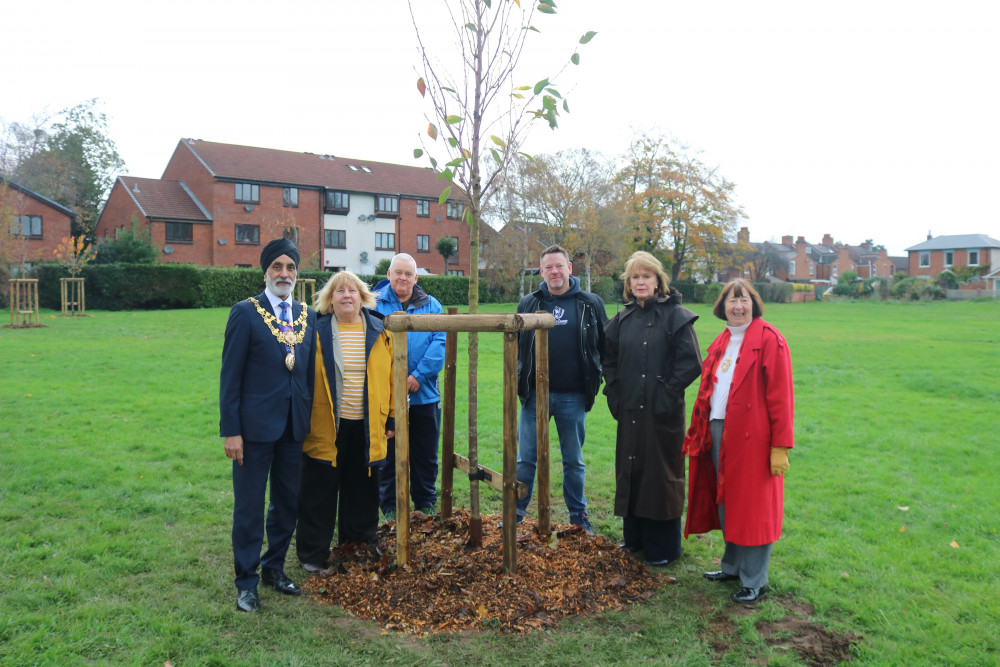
(712, 292)
(774, 292)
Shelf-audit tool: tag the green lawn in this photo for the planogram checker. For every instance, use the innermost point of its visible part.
(116, 499)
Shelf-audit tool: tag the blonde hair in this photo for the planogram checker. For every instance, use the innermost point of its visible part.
(641, 259)
(324, 298)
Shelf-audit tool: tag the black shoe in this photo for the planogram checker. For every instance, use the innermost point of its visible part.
(750, 595)
(719, 575)
(277, 580)
(658, 563)
(247, 600)
(628, 548)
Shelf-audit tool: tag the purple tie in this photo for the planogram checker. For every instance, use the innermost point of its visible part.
(286, 323)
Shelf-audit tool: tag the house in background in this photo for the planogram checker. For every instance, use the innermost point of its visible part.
(797, 260)
(938, 253)
(218, 204)
(34, 225)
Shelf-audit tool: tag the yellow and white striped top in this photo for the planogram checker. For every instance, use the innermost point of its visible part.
(352, 350)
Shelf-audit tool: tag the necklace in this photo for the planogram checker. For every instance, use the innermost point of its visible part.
(289, 338)
(726, 363)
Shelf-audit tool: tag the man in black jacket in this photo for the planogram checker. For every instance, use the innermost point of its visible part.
(575, 346)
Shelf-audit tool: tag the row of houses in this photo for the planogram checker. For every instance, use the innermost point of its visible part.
(216, 204)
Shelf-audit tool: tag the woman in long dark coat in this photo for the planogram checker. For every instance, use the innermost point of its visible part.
(651, 356)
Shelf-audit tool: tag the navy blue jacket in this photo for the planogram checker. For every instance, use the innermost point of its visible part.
(256, 391)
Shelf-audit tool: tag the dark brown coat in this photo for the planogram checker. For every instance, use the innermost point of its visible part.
(650, 358)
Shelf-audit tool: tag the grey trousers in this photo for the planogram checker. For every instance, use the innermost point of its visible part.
(750, 564)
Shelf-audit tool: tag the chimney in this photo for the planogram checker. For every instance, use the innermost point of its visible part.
(827, 240)
(929, 236)
(786, 240)
(743, 235)
(800, 241)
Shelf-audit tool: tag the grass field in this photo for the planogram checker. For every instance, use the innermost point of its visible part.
(116, 500)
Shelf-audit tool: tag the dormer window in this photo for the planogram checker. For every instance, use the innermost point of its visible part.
(386, 205)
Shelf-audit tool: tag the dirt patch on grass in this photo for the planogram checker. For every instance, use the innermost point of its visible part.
(814, 643)
(448, 587)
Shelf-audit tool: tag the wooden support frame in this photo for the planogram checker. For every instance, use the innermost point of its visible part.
(510, 325)
(71, 292)
(24, 303)
(304, 286)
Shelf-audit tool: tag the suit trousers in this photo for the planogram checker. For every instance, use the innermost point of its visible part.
(750, 564)
(279, 461)
(344, 496)
(425, 428)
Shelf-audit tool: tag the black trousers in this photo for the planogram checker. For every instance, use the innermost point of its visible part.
(344, 496)
(425, 427)
(659, 540)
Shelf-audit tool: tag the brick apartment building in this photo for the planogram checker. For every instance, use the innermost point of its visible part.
(34, 225)
(218, 204)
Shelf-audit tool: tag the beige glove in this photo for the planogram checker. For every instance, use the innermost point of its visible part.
(779, 461)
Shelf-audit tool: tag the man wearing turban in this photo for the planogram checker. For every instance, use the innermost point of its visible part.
(265, 400)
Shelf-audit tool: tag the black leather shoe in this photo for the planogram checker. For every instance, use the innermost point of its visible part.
(279, 582)
(247, 600)
(658, 563)
(628, 548)
(719, 575)
(749, 595)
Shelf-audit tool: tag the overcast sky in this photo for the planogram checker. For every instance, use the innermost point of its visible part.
(865, 119)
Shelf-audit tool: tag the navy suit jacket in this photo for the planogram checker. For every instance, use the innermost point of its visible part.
(256, 391)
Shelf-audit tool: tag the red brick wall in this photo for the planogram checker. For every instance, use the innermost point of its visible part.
(117, 214)
(55, 226)
(410, 226)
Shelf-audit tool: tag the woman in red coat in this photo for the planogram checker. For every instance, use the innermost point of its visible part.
(738, 442)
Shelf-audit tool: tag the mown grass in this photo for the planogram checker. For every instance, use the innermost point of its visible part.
(115, 504)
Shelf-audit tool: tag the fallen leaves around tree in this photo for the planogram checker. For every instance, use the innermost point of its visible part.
(449, 587)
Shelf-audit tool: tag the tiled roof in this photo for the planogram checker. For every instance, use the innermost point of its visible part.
(268, 165)
(957, 241)
(164, 199)
(45, 200)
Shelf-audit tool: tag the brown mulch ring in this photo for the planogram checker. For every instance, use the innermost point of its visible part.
(449, 587)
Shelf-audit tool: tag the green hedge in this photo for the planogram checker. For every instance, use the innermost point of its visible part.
(158, 286)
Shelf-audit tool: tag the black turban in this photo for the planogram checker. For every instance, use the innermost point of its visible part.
(276, 249)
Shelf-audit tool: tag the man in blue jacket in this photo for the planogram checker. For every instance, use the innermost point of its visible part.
(425, 350)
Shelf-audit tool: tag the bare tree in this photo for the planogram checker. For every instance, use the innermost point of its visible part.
(482, 116)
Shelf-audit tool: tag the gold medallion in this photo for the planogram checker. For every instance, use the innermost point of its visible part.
(290, 360)
(726, 363)
(289, 338)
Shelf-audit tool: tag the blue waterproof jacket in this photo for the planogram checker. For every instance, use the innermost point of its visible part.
(425, 349)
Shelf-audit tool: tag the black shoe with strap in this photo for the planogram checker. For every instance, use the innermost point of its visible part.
(277, 580)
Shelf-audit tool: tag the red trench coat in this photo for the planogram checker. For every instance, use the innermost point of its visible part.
(758, 416)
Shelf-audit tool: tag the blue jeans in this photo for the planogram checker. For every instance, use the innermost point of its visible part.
(567, 408)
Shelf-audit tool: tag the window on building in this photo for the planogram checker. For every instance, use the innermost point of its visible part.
(456, 272)
(244, 266)
(925, 259)
(812, 269)
(835, 270)
(290, 197)
(247, 193)
(791, 267)
(973, 258)
(455, 210)
(949, 257)
(338, 202)
(335, 238)
(180, 232)
(454, 258)
(384, 204)
(291, 233)
(249, 234)
(423, 208)
(29, 226)
(423, 243)
(385, 241)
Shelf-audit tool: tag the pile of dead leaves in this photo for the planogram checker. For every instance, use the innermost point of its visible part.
(449, 587)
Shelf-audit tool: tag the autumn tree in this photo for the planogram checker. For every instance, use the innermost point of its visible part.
(571, 192)
(676, 204)
(481, 116)
(71, 160)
